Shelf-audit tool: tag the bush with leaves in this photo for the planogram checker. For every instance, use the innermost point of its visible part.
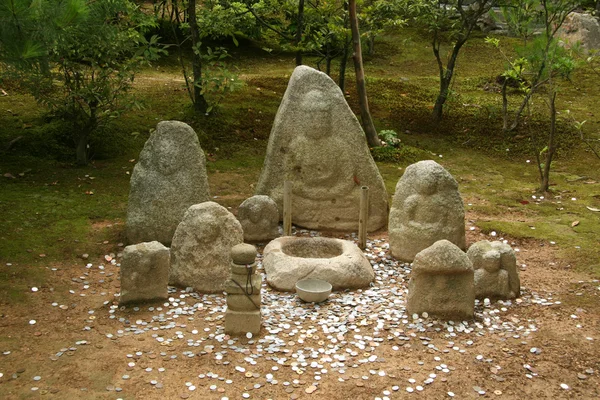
(542, 63)
(77, 58)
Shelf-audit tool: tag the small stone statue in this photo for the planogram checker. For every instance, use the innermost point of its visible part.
(496, 274)
(243, 292)
(259, 217)
(441, 283)
(426, 207)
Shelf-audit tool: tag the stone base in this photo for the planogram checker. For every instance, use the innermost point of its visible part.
(237, 322)
(243, 303)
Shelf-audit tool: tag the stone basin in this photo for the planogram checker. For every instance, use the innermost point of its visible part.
(290, 259)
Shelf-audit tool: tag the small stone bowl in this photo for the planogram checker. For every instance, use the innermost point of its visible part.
(313, 290)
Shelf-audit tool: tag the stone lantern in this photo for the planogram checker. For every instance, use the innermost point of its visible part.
(243, 292)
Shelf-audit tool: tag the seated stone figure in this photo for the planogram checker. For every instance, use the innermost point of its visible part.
(426, 208)
(496, 274)
(259, 218)
(317, 144)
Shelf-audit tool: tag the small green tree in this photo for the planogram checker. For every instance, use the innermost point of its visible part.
(542, 63)
(210, 79)
(447, 22)
(376, 16)
(75, 57)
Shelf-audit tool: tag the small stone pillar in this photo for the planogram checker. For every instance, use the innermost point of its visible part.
(243, 292)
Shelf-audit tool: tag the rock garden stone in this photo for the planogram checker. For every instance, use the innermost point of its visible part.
(259, 217)
(496, 273)
(144, 272)
(318, 144)
(426, 207)
(169, 177)
(200, 252)
(441, 283)
(581, 28)
(340, 262)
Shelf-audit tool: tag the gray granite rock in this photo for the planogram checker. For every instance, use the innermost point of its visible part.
(201, 248)
(496, 273)
(318, 144)
(144, 272)
(169, 177)
(426, 207)
(442, 283)
(340, 262)
(259, 217)
(581, 28)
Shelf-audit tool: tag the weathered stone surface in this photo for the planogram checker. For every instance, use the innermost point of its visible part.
(340, 262)
(425, 208)
(259, 217)
(243, 302)
(243, 254)
(237, 323)
(144, 272)
(318, 144)
(201, 249)
(496, 273)
(441, 283)
(581, 28)
(169, 177)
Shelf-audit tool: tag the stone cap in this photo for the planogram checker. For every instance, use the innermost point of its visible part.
(442, 258)
(243, 254)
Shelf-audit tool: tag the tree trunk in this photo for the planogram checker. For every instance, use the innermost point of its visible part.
(343, 63)
(445, 79)
(545, 175)
(82, 149)
(299, 28)
(504, 105)
(200, 104)
(363, 102)
(371, 45)
(344, 60)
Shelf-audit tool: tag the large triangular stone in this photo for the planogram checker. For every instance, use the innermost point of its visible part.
(318, 144)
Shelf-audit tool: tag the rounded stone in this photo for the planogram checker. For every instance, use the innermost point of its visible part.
(243, 254)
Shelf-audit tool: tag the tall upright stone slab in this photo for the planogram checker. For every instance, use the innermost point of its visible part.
(318, 144)
(200, 252)
(426, 207)
(169, 177)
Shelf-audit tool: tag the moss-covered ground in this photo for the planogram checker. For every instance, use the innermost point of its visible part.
(51, 210)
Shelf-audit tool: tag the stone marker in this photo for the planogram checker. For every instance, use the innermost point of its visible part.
(200, 253)
(259, 218)
(581, 28)
(340, 262)
(169, 177)
(144, 272)
(496, 274)
(243, 292)
(318, 144)
(425, 208)
(441, 283)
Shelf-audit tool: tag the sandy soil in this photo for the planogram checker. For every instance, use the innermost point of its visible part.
(358, 344)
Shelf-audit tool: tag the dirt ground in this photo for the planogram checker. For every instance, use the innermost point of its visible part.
(78, 343)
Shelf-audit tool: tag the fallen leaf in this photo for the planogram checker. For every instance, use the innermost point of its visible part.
(593, 209)
(574, 223)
